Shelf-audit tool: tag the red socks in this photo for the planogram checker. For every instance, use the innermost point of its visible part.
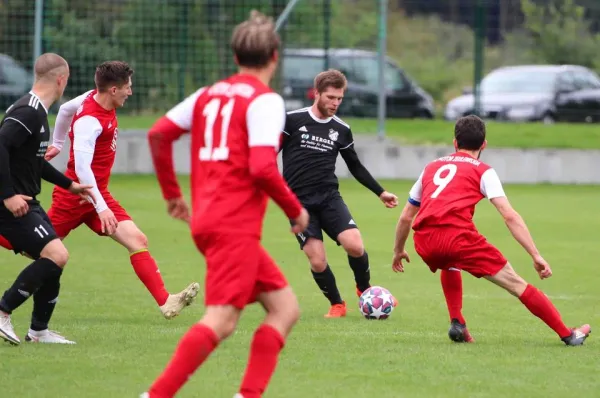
(193, 349)
(4, 243)
(452, 287)
(147, 271)
(542, 307)
(264, 352)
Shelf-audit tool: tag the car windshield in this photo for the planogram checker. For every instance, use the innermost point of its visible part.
(365, 71)
(302, 68)
(519, 81)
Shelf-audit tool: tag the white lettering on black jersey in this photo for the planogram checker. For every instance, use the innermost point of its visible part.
(24, 135)
(310, 149)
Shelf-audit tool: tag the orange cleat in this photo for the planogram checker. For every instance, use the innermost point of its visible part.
(337, 311)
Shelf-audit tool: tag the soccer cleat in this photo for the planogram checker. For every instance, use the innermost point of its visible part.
(145, 395)
(459, 332)
(238, 396)
(578, 335)
(7, 331)
(176, 302)
(337, 311)
(47, 337)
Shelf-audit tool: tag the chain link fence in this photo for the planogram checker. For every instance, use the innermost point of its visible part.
(176, 46)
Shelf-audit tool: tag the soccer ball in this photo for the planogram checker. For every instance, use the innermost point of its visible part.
(376, 303)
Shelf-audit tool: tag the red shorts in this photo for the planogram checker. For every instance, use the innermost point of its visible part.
(443, 248)
(66, 213)
(238, 269)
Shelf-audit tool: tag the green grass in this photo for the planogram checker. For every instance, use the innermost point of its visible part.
(427, 132)
(123, 342)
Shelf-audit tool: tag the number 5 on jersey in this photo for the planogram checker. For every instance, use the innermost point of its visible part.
(442, 182)
(211, 112)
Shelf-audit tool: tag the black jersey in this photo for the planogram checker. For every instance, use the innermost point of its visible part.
(24, 136)
(310, 149)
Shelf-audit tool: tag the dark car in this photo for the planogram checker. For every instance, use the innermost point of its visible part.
(548, 93)
(405, 99)
(15, 81)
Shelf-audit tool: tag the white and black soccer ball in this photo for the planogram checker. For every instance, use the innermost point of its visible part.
(376, 303)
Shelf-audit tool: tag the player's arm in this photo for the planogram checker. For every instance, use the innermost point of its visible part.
(53, 176)
(491, 188)
(63, 123)
(408, 215)
(285, 133)
(86, 131)
(265, 119)
(14, 132)
(161, 136)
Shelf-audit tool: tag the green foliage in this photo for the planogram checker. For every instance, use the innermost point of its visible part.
(561, 33)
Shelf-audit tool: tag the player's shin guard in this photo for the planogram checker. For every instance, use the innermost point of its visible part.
(44, 301)
(326, 282)
(146, 269)
(362, 271)
(28, 282)
(193, 349)
(453, 292)
(541, 306)
(264, 353)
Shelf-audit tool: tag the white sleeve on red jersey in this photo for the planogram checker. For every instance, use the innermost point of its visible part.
(416, 192)
(85, 132)
(490, 185)
(265, 119)
(64, 119)
(182, 113)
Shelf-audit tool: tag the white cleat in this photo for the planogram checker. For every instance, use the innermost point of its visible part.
(176, 302)
(145, 395)
(7, 331)
(47, 337)
(238, 396)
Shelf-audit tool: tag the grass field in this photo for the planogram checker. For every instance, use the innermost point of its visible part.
(517, 135)
(123, 342)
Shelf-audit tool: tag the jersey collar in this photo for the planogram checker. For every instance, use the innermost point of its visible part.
(316, 119)
(38, 98)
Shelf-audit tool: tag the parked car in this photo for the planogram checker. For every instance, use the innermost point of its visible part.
(15, 81)
(548, 93)
(405, 99)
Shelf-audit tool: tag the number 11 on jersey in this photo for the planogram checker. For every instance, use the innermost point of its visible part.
(211, 112)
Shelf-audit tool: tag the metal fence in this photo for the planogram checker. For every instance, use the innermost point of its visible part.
(178, 45)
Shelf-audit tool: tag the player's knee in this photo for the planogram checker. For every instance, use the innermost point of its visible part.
(57, 252)
(317, 263)
(137, 241)
(355, 249)
(221, 320)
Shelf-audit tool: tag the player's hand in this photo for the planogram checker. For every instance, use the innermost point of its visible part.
(178, 209)
(300, 222)
(397, 265)
(84, 191)
(108, 221)
(17, 204)
(542, 267)
(51, 152)
(389, 199)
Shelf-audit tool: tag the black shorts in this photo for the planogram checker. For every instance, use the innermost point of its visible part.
(28, 234)
(328, 213)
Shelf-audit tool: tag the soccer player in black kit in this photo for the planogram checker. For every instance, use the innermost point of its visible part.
(312, 139)
(24, 136)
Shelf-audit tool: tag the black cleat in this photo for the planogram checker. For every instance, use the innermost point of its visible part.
(578, 335)
(459, 333)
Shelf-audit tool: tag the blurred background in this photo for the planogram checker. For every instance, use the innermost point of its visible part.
(437, 52)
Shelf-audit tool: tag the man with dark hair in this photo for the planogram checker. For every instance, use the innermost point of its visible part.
(313, 137)
(235, 127)
(24, 225)
(91, 122)
(443, 200)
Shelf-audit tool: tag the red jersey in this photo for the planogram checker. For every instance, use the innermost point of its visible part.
(235, 126)
(448, 190)
(94, 130)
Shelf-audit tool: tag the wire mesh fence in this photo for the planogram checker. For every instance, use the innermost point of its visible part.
(176, 46)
